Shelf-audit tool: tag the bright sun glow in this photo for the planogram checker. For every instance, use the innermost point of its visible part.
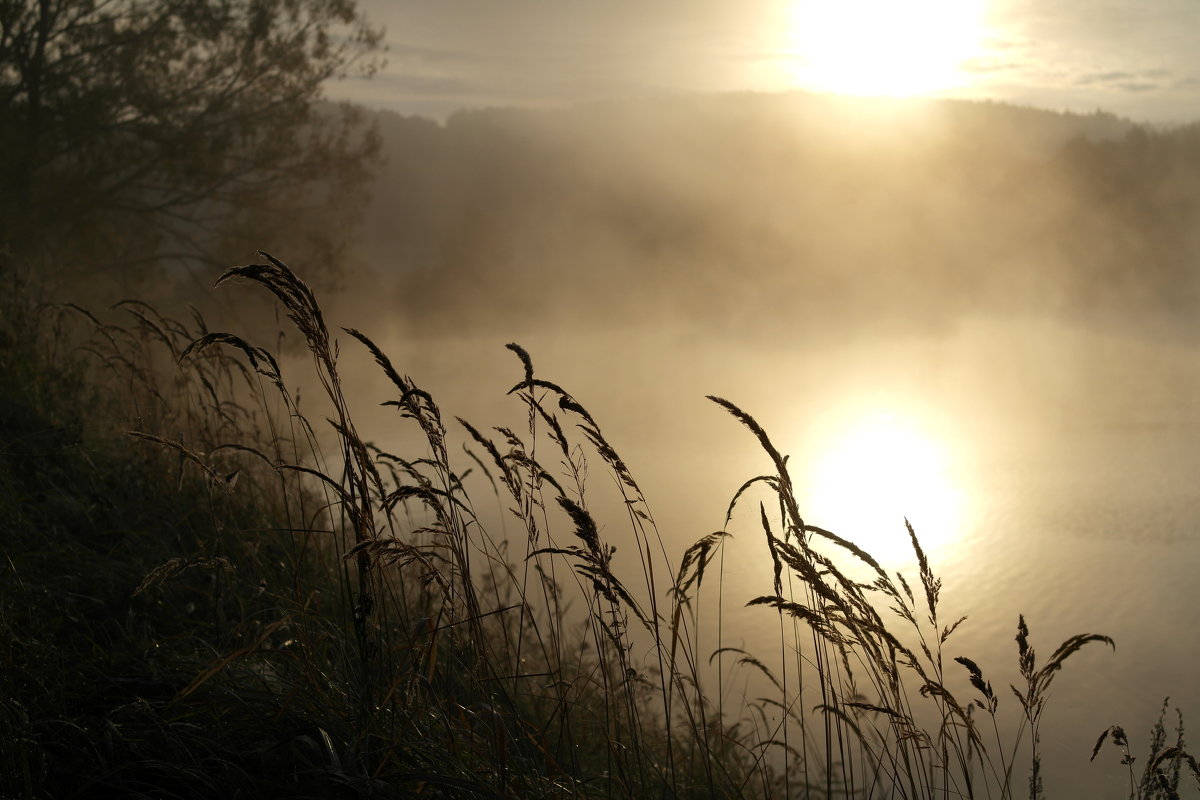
(883, 47)
(875, 472)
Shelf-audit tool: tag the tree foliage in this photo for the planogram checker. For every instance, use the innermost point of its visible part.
(137, 130)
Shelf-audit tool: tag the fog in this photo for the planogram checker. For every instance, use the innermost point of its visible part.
(784, 214)
(973, 318)
(1016, 285)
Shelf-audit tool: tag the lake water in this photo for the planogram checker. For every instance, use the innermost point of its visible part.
(1051, 470)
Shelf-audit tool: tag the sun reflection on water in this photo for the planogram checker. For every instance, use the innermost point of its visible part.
(874, 469)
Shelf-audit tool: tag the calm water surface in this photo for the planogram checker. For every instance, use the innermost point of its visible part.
(1051, 470)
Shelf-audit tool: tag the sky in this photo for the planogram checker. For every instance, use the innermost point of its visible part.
(1136, 58)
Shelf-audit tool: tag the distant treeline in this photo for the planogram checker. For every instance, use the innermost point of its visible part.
(748, 211)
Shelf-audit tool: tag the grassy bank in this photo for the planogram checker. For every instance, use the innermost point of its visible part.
(211, 589)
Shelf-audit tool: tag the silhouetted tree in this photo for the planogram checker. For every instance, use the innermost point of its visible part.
(133, 130)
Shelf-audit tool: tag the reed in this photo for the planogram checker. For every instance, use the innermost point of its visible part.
(328, 618)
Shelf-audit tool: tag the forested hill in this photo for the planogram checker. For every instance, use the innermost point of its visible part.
(808, 211)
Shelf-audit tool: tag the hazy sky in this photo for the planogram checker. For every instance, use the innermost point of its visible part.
(1137, 58)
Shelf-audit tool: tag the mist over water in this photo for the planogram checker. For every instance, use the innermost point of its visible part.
(1071, 454)
(234, 535)
(989, 310)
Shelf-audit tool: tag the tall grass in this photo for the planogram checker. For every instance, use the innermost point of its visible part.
(371, 628)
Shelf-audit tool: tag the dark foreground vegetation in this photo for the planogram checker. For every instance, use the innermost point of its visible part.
(211, 589)
(210, 592)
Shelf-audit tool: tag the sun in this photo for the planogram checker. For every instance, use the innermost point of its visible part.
(883, 47)
(875, 470)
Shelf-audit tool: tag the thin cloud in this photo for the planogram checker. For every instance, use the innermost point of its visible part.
(407, 51)
(1126, 81)
(1131, 57)
(988, 66)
